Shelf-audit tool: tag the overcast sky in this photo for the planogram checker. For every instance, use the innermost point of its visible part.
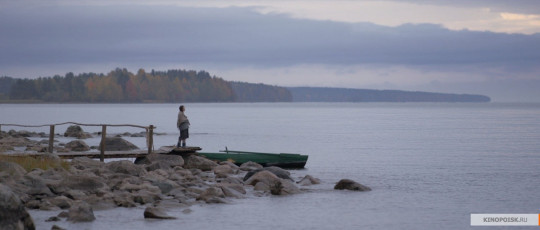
(489, 47)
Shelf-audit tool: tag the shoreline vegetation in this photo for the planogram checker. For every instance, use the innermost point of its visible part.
(157, 182)
(172, 86)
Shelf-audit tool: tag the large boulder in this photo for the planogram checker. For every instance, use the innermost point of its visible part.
(77, 132)
(160, 161)
(351, 185)
(81, 212)
(77, 146)
(269, 182)
(222, 171)
(212, 195)
(279, 172)
(11, 169)
(126, 167)
(196, 162)
(84, 183)
(156, 213)
(118, 144)
(13, 214)
(250, 166)
(309, 180)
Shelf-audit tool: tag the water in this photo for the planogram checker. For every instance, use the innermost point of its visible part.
(429, 165)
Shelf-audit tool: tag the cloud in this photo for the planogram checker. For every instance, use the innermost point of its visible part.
(241, 43)
(240, 36)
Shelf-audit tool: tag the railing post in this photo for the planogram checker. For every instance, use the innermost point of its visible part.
(102, 146)
(51, 139)
(150, 138)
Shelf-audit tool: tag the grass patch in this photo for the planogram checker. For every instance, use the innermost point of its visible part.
(29, 162)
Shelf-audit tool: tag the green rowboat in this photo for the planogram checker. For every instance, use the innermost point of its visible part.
(282, 160)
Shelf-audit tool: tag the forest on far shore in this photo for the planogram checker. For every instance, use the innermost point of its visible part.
(176, 86)
(122, 86)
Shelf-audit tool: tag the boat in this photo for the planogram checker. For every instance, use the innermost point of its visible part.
(282, 160)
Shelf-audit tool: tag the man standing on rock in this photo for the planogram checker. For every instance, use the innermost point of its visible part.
(183, 126)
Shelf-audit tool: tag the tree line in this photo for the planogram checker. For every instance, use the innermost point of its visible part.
(120, 85)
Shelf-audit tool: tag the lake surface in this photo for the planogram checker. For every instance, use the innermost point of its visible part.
(430, 165)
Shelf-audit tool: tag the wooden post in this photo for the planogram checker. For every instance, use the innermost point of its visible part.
(150, 138)
(102, 146)
(51, 139)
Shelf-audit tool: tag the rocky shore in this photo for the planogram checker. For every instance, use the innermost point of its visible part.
(156, 182)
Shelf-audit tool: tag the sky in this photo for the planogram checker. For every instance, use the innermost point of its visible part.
(489, 47)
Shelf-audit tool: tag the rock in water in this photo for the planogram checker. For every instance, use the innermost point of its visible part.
(77, 132)
(279, 172)
(156, 213)
(78, 146)
(13, 215)
(81, 212)
(118, 144)
(351, 185)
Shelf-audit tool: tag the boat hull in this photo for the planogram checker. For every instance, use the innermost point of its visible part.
(282, 160)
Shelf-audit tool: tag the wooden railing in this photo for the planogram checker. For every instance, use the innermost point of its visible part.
(149, 133)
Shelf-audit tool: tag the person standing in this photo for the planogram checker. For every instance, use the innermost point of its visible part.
(183, 125)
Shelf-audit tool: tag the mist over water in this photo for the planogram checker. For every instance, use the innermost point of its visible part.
(430, 165)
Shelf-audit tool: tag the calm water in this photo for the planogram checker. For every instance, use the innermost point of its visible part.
(429, 165)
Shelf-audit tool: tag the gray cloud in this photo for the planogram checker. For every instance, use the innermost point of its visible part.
(239, 36)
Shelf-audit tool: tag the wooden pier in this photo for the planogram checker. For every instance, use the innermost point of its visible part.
(114, 154)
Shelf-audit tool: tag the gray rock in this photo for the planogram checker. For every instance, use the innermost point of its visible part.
(232, 190)
(126, 167)
(279, 172)
(87, 183)
(196, 162)
(268, 181)
(118, 144)
(77, 146)
(56, 227)
(212, 195)
(250, 166)
(309, 180)
(12, 169)
(351, 185)
(222, 171)
(13, 214)
(86, 163)
(61, 202)
(170, 160)
(36, 186)
(81, 212)
(156, 213)
(77, 132)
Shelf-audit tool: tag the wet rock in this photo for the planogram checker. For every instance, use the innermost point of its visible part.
(212, 195)
(309, 180)
(61, 202)
(351, 185)
(78, 146)
(52, 218)
(77, 132)
(196, 162)
(250, 166)
(118, 144)
(13, 214)
(269, 182)
(56, 227)
(279, 172)
(156, 213)
(232, 190)
(81, 212)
